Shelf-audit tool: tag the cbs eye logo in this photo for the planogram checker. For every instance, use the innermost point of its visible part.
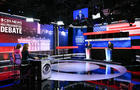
(46, 68)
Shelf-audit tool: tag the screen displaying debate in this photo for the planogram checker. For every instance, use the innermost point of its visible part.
(80, 14)
(14, 30)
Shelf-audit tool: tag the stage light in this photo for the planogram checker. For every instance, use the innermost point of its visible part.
(50, 32)
(60, 23)
(63, 33)
(53, 22)
(96, 16)
(29, 20)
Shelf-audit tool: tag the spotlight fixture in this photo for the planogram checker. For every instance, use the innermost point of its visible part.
(96, 16)
(29, 20)
(60, 23)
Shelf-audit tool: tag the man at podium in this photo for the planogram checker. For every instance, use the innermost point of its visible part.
(80, 16)
(110, 45)
(109, 51)
(88, 47)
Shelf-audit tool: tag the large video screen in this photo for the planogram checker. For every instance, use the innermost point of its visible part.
(80, 14)
(14, 30)
(42, 41)
(79, 39)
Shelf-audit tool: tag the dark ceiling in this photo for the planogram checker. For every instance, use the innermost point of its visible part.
(51, 10)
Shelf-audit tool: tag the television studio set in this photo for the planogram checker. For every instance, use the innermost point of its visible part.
(69, 45)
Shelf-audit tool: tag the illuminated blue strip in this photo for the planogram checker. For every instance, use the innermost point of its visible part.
(15, 82)
(10, 44)
(135, 37)
(7, 85)
(122, 43)
(135, 82)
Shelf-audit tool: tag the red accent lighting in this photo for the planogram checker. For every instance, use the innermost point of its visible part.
(123, 27)
(134, 34)
(99, 47)
(8, 74)
(130, 28)
(66, 47)
(6, 49)
(133, 47)
(122, 48)
(102, 32)
(5, 56)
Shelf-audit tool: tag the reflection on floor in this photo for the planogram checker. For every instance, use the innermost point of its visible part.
(68, 76)
(72, 70)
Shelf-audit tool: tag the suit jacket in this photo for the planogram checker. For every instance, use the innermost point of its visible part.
(80, 18)
(26, 55)
(110, 46)
(88, 46)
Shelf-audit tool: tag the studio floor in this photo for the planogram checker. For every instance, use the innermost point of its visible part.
(80, 75)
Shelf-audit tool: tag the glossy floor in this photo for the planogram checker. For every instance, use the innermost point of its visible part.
(81, 75)
(71, 70)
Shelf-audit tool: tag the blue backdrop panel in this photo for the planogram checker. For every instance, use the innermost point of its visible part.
(135, 37)
(63, 36)
(10, 44)
(120, 43)
(79, 39)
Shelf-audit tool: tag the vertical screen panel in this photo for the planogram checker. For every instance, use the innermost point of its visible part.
(79, 39)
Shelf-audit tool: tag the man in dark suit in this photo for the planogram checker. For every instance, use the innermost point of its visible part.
(110, 45)
(110, 48)
(80, 16)
(88, 45)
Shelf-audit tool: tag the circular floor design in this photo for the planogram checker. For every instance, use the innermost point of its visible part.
(74, 67)
(60, 76)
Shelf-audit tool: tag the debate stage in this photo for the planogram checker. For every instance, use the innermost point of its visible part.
(75, 70)
(72, 73)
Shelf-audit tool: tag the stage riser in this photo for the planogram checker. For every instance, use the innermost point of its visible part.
(118, 55)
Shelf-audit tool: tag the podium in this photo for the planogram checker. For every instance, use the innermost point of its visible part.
(88, 53)
(41, 69)
(108, 54)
